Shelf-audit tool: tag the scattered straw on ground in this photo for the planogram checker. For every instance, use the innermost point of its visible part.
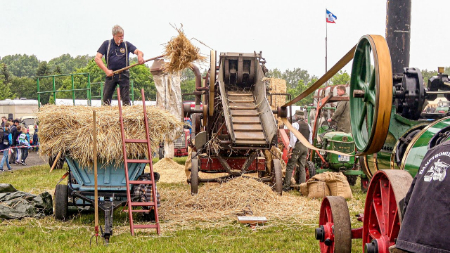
(224, 201)
(69, 129)
(170, 171)
(180, 53)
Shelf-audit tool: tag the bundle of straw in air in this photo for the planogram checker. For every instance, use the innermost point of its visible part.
(69, 129)
(180, 52)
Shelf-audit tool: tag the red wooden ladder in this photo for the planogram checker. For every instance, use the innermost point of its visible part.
(130, 203)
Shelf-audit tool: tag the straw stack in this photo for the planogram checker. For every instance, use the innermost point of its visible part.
(217, 201)
(69, 129)
(180, 53)
(277, 85)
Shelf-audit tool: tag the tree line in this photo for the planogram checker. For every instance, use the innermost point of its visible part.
(19, 75)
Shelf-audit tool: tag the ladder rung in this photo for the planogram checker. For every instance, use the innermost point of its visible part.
(135, 141)
(138, 161)
(140, 182)
(146, 226)
(137, 211)
(142, 203)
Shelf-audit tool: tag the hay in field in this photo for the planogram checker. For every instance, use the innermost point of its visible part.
(180, 52)
(221, 201)
(69, 129)
(170, 171)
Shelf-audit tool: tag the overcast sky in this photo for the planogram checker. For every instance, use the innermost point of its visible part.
(291, 34)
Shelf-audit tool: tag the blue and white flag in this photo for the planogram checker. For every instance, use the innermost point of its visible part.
(331, 17)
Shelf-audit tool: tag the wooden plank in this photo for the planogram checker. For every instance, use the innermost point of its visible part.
(249, 135)
(231, 93)
(246, 127)
(231, 101)
(252, 220)
(244, 113)
(248, 142)
(241, 104)
(241, 98)
(240, 107)
(245, 119)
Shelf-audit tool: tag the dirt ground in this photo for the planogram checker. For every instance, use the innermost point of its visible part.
(33, 159)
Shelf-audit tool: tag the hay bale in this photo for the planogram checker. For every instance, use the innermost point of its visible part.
(69, 129)
(277, 85)
(180, 52)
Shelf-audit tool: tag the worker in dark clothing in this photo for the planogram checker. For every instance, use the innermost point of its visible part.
(425, 226)
(116, 53)
(341, 117)
(297, 153)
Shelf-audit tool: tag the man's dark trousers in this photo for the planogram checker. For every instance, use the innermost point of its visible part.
(111, 82)
(299, 154)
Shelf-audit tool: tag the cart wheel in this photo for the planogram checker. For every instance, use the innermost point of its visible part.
(311, 168)
(61, 200)
(334, 232)
(278, 180)
(194, 174)
(382, 212)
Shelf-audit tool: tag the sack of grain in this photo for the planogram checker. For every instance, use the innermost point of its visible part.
(338, 184)
(320, 177)
(317, 189)
(304, 189)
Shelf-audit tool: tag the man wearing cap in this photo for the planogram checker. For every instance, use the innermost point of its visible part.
(297, 153)
(341, 117)
(116, 53)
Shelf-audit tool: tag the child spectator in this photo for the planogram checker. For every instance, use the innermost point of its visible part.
(24, 145)
(36, 138)
(5, 146)
(16, 143)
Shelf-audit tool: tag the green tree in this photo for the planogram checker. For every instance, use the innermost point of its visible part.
(45, 83)
(5, 76)
(187, 84)
(42, 69)
(67, 64)
(5, 91)
(21, 65)
(297, 81)
(275, 73)
(24, 87)
(340, 78)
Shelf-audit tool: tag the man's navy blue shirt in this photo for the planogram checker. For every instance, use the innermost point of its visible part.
(117, 54)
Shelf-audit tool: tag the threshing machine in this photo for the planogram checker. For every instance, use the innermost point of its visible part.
(236, 124)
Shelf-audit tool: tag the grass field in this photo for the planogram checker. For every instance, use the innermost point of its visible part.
(226, 235)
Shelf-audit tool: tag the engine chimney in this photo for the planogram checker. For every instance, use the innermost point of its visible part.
(398, 33)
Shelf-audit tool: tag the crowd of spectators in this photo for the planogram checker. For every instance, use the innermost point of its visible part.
(15, 142)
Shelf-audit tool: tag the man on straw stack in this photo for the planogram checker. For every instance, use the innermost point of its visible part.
(297, 153)
(116, 53)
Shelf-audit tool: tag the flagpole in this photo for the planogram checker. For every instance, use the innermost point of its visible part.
(326, 42)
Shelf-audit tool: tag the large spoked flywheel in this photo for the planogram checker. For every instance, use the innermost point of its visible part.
(371, 94)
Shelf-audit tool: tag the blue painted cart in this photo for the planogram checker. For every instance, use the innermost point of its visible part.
(80, 188)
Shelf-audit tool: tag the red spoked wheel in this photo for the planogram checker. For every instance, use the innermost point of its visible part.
(334, 232)
(382, 212)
